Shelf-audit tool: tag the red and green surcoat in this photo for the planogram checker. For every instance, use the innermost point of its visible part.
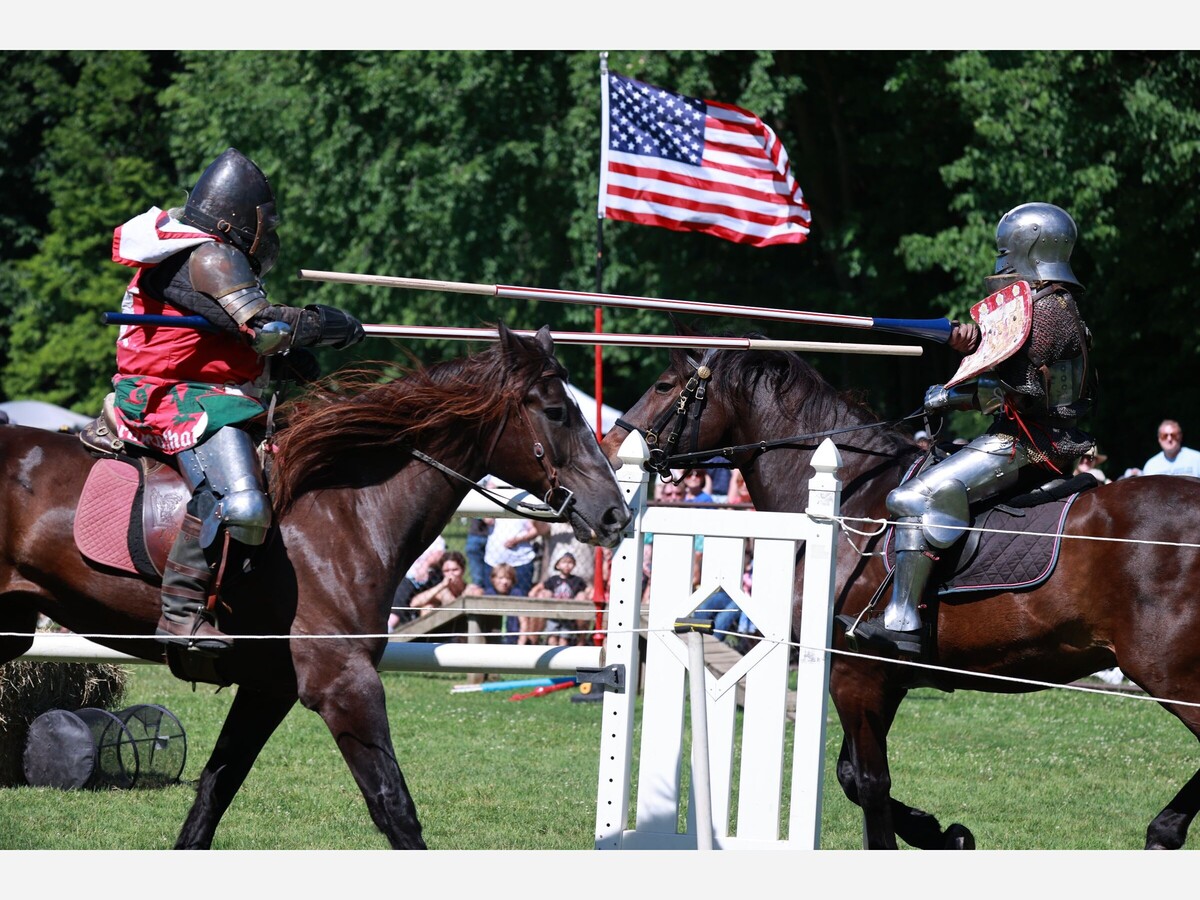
(176, 386)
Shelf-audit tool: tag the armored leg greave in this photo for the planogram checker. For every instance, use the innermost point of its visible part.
(932, 510)
(913, 564)
(187, 580)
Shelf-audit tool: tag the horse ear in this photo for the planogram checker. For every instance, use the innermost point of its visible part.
(508, 341)
(513, 343)
(545, 340)
(681, 328)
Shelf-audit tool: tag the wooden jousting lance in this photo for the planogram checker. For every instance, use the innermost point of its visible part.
(560, 337)
(930, 329)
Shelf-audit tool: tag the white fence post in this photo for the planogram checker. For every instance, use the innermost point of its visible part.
(816, 630)
(621, 649)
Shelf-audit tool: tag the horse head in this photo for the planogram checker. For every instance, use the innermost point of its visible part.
(671, 414)
(546, 446)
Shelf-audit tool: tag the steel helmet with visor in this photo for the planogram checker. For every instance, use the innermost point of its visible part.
(1034, 242)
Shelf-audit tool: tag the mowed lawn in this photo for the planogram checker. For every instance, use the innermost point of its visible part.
(1052, 770)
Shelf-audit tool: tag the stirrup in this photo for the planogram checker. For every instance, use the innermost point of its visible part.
(196, 634)
(872, 632)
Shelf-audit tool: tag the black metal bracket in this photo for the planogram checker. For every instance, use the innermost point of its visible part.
(610, 678)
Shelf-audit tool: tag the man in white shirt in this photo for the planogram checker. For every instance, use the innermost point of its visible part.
(1175, 459)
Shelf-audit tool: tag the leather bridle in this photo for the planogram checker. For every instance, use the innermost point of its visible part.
(557, 500)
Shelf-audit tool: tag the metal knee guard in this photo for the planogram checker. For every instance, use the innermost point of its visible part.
(940, 497)
(227, 466)
(933, 509)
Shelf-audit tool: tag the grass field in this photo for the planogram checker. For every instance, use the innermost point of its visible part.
(1052, 770)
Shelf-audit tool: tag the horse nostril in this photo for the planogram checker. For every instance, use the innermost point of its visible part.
(618, 516)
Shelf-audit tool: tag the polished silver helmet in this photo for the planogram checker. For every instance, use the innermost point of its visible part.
(1034, 241)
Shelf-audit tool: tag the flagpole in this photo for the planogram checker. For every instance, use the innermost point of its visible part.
(599, 310)
(599, 593)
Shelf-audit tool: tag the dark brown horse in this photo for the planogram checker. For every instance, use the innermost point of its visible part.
(354, 510)
(1107, 604)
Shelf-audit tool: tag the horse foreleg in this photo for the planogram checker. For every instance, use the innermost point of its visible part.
(862, 768)
(353, 707)
(913, 826)
(252, 719)
(1169, 829)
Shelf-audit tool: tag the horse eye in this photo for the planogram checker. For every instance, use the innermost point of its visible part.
(664, 387)
(556, 414)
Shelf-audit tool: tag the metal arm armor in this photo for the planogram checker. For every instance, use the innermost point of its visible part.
(985, 393)
(225, 274)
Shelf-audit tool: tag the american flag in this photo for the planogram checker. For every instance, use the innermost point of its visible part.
(695, 165)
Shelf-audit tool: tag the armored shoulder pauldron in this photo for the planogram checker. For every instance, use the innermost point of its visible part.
(224, 273)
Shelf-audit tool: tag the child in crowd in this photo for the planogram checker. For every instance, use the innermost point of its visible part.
(563, 586)
(503, 579)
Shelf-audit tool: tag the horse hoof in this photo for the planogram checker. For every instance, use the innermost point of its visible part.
(959, 837)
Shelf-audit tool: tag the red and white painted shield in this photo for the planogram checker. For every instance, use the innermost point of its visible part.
(1004, 320)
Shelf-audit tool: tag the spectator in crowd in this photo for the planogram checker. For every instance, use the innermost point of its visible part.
(1090, 463)
(511, 541)
(501, 581)
(669, 492)
(739, 494)
(694, 481)
(477, 535)
(422, 574)
(729, 621)
(449, 587)
(719, 477)
(1175, 459)
(559, 538)
(564, 585)
(923, 440)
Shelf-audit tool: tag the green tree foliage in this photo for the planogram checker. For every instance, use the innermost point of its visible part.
(97, 159)
(482, 167)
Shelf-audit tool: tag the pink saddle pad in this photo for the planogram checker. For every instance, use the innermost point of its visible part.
(102, 518)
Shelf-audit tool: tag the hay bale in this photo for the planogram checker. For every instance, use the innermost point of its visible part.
(28, 689)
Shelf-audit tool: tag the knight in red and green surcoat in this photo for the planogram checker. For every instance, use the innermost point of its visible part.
(190, 393)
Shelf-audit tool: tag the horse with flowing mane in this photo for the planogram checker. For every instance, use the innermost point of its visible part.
(1107, 603)
(365, 475)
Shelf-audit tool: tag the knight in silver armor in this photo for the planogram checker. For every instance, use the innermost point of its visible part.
(228, 228)
(1036, 395)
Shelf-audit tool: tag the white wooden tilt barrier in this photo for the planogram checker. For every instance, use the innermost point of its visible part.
(777, 538)
(673, 531)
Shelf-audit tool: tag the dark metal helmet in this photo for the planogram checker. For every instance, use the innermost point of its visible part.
(234, 201)
(1034, 241)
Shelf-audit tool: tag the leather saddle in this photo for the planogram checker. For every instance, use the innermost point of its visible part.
(132, 504)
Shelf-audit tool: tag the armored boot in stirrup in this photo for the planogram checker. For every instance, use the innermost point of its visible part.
(186, 581)
(900, 626)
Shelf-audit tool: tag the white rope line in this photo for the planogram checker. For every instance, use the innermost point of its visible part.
(842, 520)
(1041, 685)
(1047, 685)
